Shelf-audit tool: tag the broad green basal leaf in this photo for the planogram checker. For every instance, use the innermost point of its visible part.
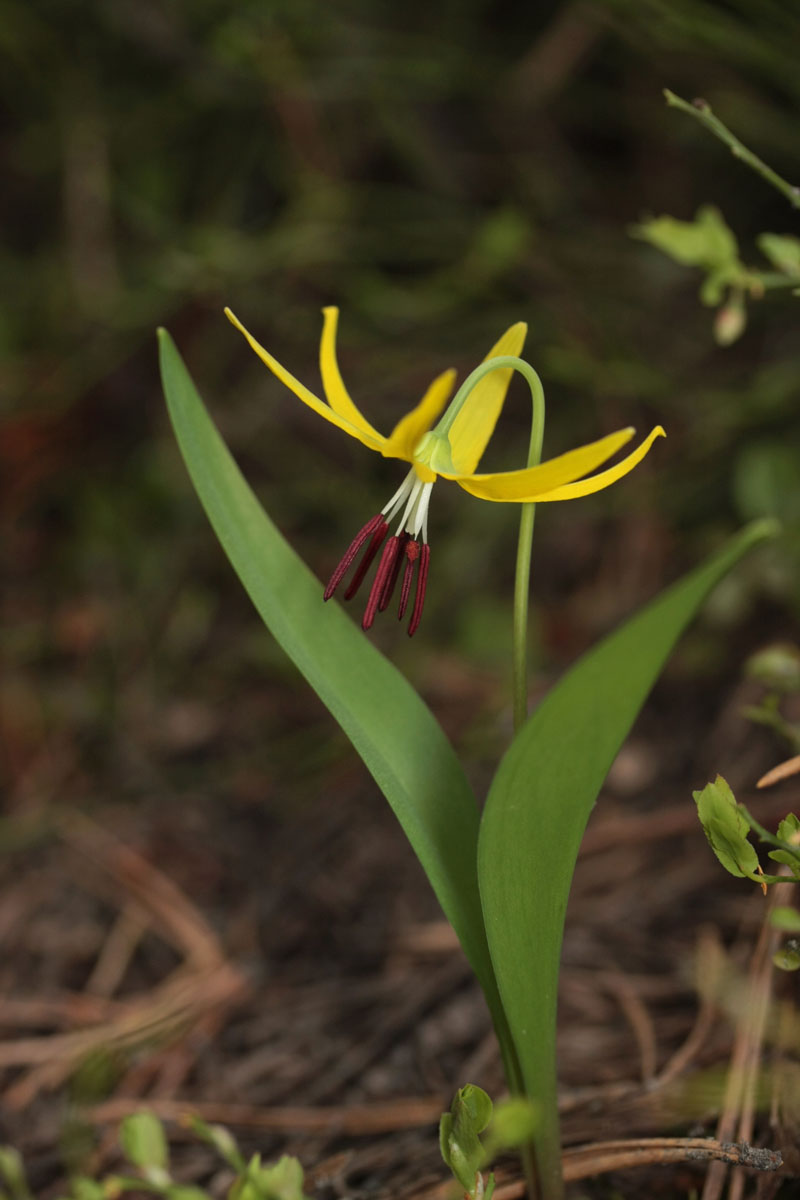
(538, 806)
(396, 735)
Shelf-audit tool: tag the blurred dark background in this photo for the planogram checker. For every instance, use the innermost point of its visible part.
(438, 171)
(438, 174)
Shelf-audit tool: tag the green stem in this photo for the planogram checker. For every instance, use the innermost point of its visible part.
(770, 838)
(527, 514)
(769, 281)
(542, 1161)
(701, 111)
(522, 580)
(523, 573)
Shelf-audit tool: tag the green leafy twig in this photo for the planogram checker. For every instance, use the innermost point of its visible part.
(727, 826)
(702, 112)
(709, 244)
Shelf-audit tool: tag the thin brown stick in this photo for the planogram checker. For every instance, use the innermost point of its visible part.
(780, 895)
(117, 951)
(638, 1017)
(165, 1010)
(791, 766)
(174, 915)
(711, 955)
(738, 1107)
(602, 1157)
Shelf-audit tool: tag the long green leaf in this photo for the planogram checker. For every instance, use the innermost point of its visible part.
(536, 813)
(396, 735)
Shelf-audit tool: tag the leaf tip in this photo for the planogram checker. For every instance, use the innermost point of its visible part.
(759, 531)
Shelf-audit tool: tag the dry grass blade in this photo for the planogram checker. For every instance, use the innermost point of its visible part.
(204, 985)
(784, 770)
(738, 1108)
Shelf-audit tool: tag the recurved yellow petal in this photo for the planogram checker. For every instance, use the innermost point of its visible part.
(302, 392)
(335, 391)
(596, 483)
(474, 425)
(538, 483)
(415, 424)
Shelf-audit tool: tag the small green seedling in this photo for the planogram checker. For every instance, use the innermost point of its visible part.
(472, 1113)
(144, 1144)
(12, 1174)
(727, 826)
(282, 1181)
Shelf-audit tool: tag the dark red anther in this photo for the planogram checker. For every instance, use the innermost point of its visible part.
(384, 573)
(422, 581)
(366, 560)
(391, 580)
(412, 554)
(372, 527)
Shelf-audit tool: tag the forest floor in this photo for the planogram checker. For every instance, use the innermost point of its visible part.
(283, 969)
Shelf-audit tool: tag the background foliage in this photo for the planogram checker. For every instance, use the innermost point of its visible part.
(439, 174)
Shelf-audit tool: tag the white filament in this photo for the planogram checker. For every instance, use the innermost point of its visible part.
(413, 496)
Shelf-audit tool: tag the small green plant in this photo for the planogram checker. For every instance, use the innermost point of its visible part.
(708, 244)
(144, 1144)
(471, 1114)
(502, 877)
(728, 826)
(777, 669)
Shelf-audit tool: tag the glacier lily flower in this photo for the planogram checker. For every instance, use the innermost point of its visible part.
(452, 449)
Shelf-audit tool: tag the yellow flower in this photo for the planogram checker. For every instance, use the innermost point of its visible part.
(451, 449)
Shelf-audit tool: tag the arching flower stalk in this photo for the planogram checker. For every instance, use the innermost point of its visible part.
(450, 449)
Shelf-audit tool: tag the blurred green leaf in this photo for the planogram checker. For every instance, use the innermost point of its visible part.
(787, 958)
(84, 1188)
(398, 738)
(706, 242)
(12, 1173)
(786, 918)
(220, 1138)
(144, 1143)
(782, 251)
(776, 667)
(726, 828)
(788, 831)
(766, 479)
(538, 806)
(513, 1124)
(281, 1181)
